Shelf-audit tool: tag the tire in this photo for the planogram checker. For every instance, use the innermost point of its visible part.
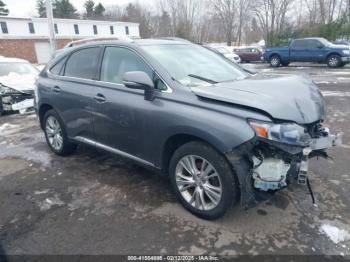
(285, 63)
(2, 112)
(275, 61)
(210, 205)
(54, 130)
(334, 61)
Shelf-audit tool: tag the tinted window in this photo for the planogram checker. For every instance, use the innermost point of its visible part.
(83, 63)
(31, 28)
(56, 28)
(57, 68)
(117, 61)
(111, 29)
(76, 29)
(300, 44)
(95, 29)
(4, 28)
(314, 44)
(126, 30)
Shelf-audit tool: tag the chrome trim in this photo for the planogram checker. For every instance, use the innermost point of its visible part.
(112, 150)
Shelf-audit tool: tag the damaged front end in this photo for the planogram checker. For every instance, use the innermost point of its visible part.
(277, 157)
(16, 100)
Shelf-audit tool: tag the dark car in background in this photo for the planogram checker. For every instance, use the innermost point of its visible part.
(315, 49)
(219, 133)
(249, 54)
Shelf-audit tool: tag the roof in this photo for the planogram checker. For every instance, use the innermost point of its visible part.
(64, 20)
(12, 60)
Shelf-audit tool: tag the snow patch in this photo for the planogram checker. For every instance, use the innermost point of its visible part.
(50, 202)
(334, 233)
(336, 93)
(6, 127)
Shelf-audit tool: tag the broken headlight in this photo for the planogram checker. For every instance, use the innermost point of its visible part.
(287, 133)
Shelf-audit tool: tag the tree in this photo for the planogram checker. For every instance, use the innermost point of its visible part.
(41, 8)
(64, 9)
(89, 8)
(99, 10)
(3, 10)
(226, 10)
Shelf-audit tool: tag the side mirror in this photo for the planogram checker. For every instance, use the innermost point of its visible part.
(140, 80)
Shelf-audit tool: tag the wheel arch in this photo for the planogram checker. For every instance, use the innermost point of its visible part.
(176, 140)
(41, 113)
(332, 53)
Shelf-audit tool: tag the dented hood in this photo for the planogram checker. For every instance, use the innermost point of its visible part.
(290, 98)
(19, 82)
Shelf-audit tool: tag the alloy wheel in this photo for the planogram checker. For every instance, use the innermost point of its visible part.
(54, 133)
(198, 182)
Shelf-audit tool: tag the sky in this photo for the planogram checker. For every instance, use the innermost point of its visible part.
(27, 7)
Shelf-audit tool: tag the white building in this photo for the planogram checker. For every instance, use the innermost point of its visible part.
(28, 38)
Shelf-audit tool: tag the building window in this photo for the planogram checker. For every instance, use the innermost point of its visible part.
(127, 30)
(76, 29)
(95, 29)
(111, 29)
(31, 28)
(4, 28)
(55, 28)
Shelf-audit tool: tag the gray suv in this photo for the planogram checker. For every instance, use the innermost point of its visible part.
(219, 133)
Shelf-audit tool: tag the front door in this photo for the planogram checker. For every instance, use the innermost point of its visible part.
(119, 112)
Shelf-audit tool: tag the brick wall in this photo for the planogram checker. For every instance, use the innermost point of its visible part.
(25, 48)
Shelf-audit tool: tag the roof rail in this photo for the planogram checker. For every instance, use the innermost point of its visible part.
(95, 39)
(174, 39)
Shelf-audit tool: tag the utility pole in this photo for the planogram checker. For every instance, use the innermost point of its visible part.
(49, 14)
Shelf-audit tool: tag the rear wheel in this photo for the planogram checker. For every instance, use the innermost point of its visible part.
(1, 107)
(334, 61)
(55, 134)
(203, 180)
(275, 61)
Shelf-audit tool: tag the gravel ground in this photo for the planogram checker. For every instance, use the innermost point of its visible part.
(95, 203)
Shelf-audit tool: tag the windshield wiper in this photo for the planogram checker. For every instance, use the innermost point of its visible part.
(203, 79)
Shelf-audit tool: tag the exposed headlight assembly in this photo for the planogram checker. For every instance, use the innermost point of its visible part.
(287, 133)
(346, 52)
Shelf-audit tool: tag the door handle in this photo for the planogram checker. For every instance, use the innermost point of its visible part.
(56, 89)
(100, 98)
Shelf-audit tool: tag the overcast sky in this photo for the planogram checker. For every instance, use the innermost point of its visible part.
(27, 7)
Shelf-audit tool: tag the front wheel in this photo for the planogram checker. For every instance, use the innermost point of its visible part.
(275, 61)
(203, 180)
(334, 61)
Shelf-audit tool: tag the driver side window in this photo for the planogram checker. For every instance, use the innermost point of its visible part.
(117, 61)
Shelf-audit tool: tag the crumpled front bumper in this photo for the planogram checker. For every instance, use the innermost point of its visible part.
(242, 161)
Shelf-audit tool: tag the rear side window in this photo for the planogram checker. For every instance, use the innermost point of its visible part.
(4, 28)
(83, 63)
(58, 67)
(300, 44)
(117, 61)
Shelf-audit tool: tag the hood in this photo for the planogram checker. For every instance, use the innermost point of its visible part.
(339, 46)
(19, 82)
(290, 98)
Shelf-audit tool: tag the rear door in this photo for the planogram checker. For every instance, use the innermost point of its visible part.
(72, 92)
(299, 51)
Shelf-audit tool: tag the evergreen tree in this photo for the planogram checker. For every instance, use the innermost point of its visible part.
(89, 8)
(3, 9)
(41, 8)
(64, 9)
(99, 10)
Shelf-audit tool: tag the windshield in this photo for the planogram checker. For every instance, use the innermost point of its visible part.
(325, 42)
(193, 65)
(18, 68)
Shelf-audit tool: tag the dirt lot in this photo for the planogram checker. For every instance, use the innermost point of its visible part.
(94, 203)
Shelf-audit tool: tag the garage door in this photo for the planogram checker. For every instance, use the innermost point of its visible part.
(43, 52)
